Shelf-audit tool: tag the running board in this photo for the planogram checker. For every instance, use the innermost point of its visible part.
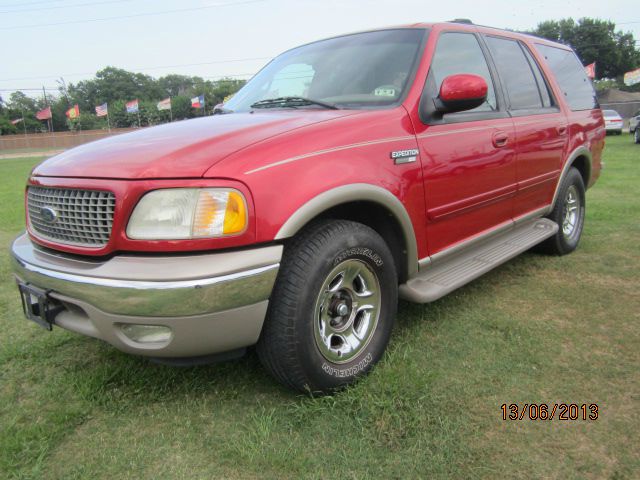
(436, 280)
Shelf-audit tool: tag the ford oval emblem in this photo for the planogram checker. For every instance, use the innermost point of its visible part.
(48, 214)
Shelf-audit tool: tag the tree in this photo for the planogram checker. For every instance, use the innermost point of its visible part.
(86, 121)
(18, 101)
(181, 106)
(119, 117)
(175, 85)
(6, 127)
(113, 84)
(116, 86)
(226, 87)
(22, 106)
(595, 41)
(59, 107)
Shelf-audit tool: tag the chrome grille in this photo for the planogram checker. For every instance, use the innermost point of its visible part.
(71, 216)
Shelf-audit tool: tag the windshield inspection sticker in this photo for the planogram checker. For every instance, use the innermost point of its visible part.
(405, 156)
(385, 92)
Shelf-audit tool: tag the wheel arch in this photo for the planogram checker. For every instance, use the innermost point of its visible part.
(371, 205)
(581, 159)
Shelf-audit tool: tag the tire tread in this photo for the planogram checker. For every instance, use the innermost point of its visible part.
(556, 245)
(279, 341)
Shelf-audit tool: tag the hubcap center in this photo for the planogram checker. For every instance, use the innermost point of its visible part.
(342, 309)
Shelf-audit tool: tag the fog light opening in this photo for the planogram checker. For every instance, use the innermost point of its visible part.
(146, 334)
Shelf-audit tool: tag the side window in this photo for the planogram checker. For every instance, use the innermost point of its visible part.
(570, 75)
(461, 53)
(543, 86)
(516, 73)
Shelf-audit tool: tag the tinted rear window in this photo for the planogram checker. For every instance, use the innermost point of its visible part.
(570, 75)
(516, 73)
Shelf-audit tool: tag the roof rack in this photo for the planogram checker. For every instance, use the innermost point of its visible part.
(461, 20)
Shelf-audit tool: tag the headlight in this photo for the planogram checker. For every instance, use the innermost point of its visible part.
(184, 213)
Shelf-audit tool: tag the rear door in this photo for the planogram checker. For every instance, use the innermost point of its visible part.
(541, 129)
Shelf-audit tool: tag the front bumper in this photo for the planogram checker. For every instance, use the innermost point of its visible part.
(212, 302)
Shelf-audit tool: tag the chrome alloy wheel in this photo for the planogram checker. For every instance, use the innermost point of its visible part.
(571, 213)
(347, 311)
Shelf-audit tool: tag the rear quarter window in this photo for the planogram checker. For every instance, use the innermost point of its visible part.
(570, 75)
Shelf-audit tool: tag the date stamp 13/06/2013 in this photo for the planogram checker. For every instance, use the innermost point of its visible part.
(550, 411)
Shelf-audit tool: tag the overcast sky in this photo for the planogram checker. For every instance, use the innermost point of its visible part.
(43, 40)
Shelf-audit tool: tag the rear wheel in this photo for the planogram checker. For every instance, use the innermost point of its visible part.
(332, 309)
(568, 213)
(636, 135)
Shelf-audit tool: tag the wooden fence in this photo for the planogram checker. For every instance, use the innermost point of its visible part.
(55, 140)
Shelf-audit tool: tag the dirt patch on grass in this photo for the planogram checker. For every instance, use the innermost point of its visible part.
(43, 153)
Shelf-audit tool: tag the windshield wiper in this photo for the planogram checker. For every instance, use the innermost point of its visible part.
(291, 102)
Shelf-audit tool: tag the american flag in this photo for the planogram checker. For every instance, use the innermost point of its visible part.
(102, 110)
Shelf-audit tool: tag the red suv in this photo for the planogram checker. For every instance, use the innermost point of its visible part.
(350, 171)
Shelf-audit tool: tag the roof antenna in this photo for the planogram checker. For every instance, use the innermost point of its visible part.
(462, 20)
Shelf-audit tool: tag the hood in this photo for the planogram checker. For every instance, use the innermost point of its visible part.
(184, 149)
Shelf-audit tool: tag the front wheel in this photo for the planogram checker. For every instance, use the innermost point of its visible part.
(636, 135)
(568, 213)
(332, 308)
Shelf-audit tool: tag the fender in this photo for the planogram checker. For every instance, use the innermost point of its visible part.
(356, 192)
(581, 151)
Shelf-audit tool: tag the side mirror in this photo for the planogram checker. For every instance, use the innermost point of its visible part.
(461, 92)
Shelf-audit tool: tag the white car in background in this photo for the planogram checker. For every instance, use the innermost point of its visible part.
(634, 121)
(612, 121)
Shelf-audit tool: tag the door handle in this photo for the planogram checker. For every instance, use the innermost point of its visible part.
(562, 129)
(500, 139)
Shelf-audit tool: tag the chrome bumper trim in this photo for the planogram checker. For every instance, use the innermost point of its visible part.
(225, 280)
(145, 284)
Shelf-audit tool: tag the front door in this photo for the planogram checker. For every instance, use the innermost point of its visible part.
(468, 158)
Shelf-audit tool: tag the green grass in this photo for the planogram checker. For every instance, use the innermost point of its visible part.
(537, 330)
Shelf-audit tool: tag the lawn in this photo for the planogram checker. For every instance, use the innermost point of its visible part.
(537, 330)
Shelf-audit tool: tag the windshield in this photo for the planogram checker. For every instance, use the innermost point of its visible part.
(363, 70)
(610, 113)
